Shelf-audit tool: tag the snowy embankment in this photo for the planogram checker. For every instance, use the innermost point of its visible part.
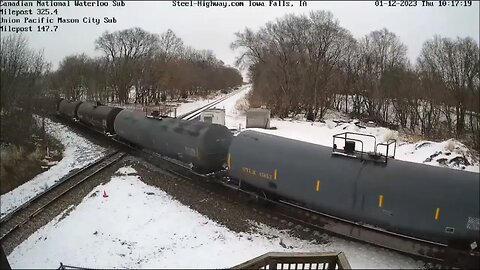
(78, 152)
(140, 226)
(450, 153)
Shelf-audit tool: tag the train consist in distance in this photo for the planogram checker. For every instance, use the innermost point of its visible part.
(433, 204)
(202, 145)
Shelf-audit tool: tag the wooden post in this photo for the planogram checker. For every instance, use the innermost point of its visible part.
(45, 137)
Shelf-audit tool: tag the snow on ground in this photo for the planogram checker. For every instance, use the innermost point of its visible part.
(183, 108)
(448, 153)
(234, 117)
(78, 152)
(186, 106)
(140, 226)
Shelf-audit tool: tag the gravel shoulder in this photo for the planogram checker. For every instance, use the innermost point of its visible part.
(237, 211)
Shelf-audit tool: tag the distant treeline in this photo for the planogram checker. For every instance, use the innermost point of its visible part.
(298, 64)
(307, 64)
(154, 66)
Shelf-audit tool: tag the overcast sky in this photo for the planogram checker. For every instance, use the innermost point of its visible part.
(214, 28)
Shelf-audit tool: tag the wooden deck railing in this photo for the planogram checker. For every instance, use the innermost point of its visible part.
(297, 260)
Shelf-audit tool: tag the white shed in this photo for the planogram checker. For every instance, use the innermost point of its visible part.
(214, 116)
(258, 118)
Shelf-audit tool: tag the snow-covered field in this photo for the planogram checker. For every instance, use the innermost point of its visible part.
(78, 152)
(140, 226)
(427, 152)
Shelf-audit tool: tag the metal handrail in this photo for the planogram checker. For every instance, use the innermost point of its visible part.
(351, 139)
(344, 136)
(360, 134)
(387, 144)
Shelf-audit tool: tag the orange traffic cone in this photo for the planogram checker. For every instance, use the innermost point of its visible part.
(105, 195)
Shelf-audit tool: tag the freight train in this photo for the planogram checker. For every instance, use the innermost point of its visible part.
(434, 204)
(203, 146)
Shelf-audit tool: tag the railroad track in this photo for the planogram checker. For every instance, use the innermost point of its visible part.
(435, 254)
(24, 213)
(428, 252)
(298, 218)
(192, 114)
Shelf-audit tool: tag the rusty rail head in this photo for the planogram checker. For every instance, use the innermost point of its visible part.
(277, 260)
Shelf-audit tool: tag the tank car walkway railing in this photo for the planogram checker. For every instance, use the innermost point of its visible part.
(349, 148)
(297, 260)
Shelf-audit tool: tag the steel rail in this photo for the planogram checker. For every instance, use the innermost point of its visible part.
(194, 113)
(64, 178)
(33, 207)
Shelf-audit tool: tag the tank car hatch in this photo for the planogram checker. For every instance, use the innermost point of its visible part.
(349, 147)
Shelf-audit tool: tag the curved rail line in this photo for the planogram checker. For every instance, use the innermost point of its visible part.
(194, 113)
(34, 206)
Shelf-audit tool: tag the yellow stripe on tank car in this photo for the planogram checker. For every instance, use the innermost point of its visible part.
(380, 201)
(229, 160)
(318, 186)
(275, 174)
(437, 213)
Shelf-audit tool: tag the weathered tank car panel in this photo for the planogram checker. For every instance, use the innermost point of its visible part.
(97, 115)
(438, 204)
(428, 202)
(290, 170)
(204, 145)
(68, 109)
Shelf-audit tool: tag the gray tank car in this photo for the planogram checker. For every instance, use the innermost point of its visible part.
(204, 145)
(68, 109)
(422, 201)
(98, 116)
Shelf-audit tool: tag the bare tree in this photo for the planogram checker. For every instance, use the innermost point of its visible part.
(125, 51)
(456, 63)
(21, 68)
(22, 72)
(293, 60)
(382, 53)
(170, 46)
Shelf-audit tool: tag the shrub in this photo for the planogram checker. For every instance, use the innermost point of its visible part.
(242, 105)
